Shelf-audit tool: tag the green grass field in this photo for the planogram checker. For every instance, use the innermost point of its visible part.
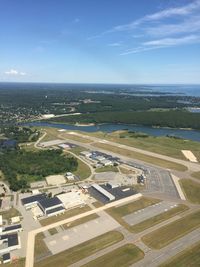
(139, 204)
(40, 246)
(196, 175)
(107, 169)
(169, 233)
(121, 257)
(83, 171)
(81, 251)
(119, 212)
(81, 221)
(187, 258)
(191, 189)
(149, 159)
(17, 263)
(8, 214)
(159, 218)
(66, 215)
(162, 145)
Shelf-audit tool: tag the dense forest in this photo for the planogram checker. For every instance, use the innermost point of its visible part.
(172, 118)
(20, 134)
(21, 167)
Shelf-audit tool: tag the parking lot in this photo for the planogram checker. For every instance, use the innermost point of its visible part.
(81, 233)
(157, 180)
(149, 212)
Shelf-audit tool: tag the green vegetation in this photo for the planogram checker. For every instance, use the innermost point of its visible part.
(159, 218)
(40, 246)
(196, 175)
(21, 167)
(118, 212)
(162, 145)
(83, 171)
(191, 190)
(81, 251)
(187, 258)
(107, 169)
(21, 134)
(171, 118)
(66, 215)
(139, 204)
(123, 257)
(10, 213)
(76, 138)
(81, 221)
(169, 233)
(136, 155)
(53, 231)
(17, 263)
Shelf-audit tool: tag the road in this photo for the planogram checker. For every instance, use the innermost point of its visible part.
(190, 165)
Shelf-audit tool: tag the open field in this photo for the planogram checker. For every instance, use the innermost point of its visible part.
(196, 175)
(149, 159)
(76, 138)
(53, 231)
(107, 169)
(66, 215)
(191, 189)
(169, 233)
(135, 205)
(162, 145)
(123, 257)
(40, 246)
(118, 212)
(187, 258)
(126, 170)
(81, 221)
(10, 213)
(81, 251)
(77, 150)
(83, 171)
(159, 218)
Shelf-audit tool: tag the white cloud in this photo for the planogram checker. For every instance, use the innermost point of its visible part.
(188, 25)
(163, 43)
(173, 41)
(13, 72)
(117, 44)
(178, 11)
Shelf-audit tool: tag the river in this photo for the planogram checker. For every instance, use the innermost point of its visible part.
(193, 135)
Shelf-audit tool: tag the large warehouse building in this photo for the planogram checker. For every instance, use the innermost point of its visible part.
(105, 193)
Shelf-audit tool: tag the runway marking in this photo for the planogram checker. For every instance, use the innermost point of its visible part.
(157, 257)
(179, 245)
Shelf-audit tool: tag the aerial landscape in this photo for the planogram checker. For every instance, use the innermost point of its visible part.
(100, 133)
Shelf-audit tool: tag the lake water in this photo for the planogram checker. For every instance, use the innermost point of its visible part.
(185, 134)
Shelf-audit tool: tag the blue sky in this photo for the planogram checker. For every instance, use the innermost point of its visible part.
(107, 41)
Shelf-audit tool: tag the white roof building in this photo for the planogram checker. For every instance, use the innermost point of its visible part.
(86, 154)
(106, 162)
(71, 199)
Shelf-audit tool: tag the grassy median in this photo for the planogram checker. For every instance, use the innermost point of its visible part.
(196, 175)
(118, 212)
(169, 233)
(123, 257)
(66, 215)
(136, 155)
(191, 189)
(159, 218)
(81, 251)
(187, 258)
